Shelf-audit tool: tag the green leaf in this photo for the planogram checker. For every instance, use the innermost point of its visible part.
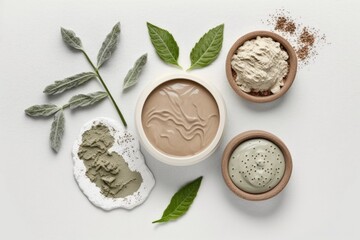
(71, 39)
(57, 130)
(133, 74)
(68, 83)
(83, 100)
(164, 44)
(181, 201)
(109, 45)
(44, 110)
(207, 48)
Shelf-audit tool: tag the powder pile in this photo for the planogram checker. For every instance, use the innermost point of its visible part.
(304, 39)
(260, 65)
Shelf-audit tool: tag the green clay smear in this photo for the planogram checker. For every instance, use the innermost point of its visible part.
(108, 170)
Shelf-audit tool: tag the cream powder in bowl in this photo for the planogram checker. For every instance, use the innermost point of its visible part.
(180, 119)
(261, 66)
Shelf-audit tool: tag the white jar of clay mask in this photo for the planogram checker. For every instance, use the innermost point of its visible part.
(180, 119)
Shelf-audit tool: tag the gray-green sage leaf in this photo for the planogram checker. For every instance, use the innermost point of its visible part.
(68, 83)
(164, 44)
(207, 48)
(133, 74)
(181, 201)
(44, 110)
(83, 100)
(71, 39)
(57, 130)
(109, 45)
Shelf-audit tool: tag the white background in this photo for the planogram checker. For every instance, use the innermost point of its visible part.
(318, 119)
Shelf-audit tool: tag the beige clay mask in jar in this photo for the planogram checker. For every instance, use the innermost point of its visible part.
(180, 119)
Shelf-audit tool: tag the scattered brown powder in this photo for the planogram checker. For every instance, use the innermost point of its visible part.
(290, 27)
(280, 23)
(303, 52)
(285, 25)
(305, 40)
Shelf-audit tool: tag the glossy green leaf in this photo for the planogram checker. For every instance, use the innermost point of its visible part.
(207, 49)
(181, 201)
(164, 44)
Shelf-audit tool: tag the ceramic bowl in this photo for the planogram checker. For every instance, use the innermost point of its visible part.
(289, 79)
(255, 134)
(180, 160)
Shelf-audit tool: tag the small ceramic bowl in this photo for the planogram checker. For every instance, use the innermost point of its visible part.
(231, 74)
(256, 134)
(172, 159)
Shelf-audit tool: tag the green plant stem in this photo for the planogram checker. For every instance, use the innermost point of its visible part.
(106, 88)
(66, 106)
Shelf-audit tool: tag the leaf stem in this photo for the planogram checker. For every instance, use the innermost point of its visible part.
(105, 87)
(65, 106)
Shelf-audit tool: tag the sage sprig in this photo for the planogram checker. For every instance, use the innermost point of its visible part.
(107, 48)
(181, 201)
(58, 125)
(133, 74)
(81, 100)
(164, 44)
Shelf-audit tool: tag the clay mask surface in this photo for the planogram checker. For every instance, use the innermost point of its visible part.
(180, 117)
(256, 165)
(108, 170)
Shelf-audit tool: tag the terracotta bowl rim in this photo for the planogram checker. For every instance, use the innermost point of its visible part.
(293, 62)
(236, 141)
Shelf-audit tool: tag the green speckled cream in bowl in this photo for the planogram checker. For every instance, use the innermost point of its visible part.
(256, 165)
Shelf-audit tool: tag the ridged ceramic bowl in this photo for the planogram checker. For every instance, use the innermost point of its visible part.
(288, 80)
(256, 134)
